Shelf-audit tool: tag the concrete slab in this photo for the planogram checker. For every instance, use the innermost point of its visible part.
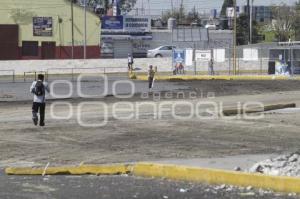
(227, 163)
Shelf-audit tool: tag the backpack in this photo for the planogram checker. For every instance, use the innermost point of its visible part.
(39, 89)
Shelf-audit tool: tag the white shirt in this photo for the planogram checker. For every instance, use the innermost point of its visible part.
(39, 99)
(130, 59)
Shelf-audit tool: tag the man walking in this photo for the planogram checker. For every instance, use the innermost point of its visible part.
(130, 62)
(211, 67)
(38, 89)
(151, 74)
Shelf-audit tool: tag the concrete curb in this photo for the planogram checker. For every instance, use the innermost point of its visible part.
(173, 172)
(80, 170)
(214, 176)
(235, 111)
(219, 77)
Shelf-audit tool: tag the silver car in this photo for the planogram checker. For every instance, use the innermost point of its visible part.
(162, 51)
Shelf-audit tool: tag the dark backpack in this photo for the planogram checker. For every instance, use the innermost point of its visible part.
(39, 89)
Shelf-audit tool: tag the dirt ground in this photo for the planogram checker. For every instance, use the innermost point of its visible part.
(65, 142)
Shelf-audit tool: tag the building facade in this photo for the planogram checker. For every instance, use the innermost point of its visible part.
(42, 29)
(261, 14)
(123, 35)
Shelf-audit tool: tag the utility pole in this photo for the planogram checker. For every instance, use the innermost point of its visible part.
(143, 9)
(84, 47)
(72, 28)
(251, 21)
(248, 15)
(181, 12)
(172, 6)
(234, 38)
(149, 7)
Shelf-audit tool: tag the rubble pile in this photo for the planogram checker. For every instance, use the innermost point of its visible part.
(285, 165)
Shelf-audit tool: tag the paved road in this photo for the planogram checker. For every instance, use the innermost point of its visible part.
(117, 187)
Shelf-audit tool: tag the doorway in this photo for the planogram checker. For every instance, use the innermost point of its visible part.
(48, 50)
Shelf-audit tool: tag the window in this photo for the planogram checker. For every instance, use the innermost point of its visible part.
(30, 48)
(166, 48)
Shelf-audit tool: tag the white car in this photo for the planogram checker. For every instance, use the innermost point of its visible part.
(211, 27)
(162, 51)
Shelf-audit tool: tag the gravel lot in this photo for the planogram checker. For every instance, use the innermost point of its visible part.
(142, 138)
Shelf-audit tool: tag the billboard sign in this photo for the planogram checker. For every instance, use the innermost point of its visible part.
(230, 11)
(43, 26)
(127, 23)
(137, 23)
(112, 23)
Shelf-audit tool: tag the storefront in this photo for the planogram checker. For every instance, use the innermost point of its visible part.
(43, 30)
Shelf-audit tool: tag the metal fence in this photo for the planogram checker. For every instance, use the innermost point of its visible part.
(247, 60)
(61, 73)
(72, 73)
(8, 75)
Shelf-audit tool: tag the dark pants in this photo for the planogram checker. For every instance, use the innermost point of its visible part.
(130, 66)
(211, 70)
(150, 79)
(38, 107)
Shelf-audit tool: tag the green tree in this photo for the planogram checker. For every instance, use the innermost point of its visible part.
(193, 16)
(124, 5)
(297, 21)
(243, 31)
(181, 16)
(127, 5)
(226, 4)
(284, 25)
(171, 14)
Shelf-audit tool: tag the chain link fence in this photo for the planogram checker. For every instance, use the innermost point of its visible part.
(278, 60)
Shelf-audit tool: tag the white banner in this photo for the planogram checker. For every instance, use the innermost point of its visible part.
(250, 54)
(230, 12)
(137, 23)
(188, 57)
(219, 55)
(203, 55)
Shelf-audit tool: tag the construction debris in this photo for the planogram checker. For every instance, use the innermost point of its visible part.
(285, 165)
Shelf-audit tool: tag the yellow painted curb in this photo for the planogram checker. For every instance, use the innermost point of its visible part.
(173, 172)
(235, 111)
(214, 176)
(80, 170)
(219, 77)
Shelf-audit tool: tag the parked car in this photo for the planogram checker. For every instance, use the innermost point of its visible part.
(162, 51)
(211, 26)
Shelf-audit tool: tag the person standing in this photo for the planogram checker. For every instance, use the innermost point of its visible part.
(151, 75)
(39, 89)
(130, 62)
(211, 67)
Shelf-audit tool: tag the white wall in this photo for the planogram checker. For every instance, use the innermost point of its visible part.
(114, 65)
(111, 65)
